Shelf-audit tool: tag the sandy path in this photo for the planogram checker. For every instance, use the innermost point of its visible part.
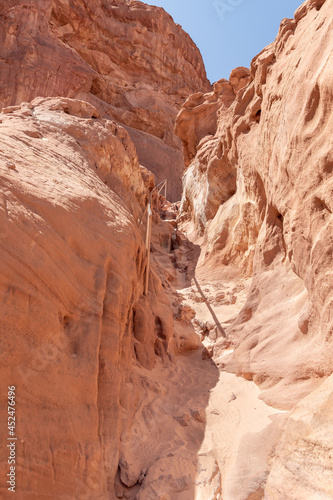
(241, 429)
(199, 433)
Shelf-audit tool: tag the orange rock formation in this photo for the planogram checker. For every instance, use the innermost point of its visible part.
(128, 59)
(258, 189)
(72, 274)
(258, 199)
(218, 382)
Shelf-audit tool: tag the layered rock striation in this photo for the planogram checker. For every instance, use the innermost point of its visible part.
(258, 197)
(258, 190)
(128, 59)
(78, 336)
(106, 408)
(75, 323)
(303, 459)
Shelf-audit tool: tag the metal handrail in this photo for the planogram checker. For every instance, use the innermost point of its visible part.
(159, 188)
(163, 184)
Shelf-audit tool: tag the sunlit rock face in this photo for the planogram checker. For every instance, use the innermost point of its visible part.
(258, 192)
(128, 59)
(72, 272)
(303, 464)
(258, 196)
(108, 407)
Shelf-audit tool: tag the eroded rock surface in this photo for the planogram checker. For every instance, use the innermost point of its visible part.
(258, 199)
(130, 60)
(303, 464)
(258, 191)
(188, 392)
(72, 271)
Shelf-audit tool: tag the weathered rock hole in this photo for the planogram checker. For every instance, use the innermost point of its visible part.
(253, 344)
(59, 19)
(312, 104)
(320, 206)
(159, 328)
(95, 88)
(66, 322)
(328, 168)
(319, 4)
(274, 221)
(298, 63)
(304, 326)
(258, 116)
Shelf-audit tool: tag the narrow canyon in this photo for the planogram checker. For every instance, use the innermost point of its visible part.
(192, 361)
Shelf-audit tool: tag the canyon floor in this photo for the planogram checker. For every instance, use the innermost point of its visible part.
(200, 432)
(218, 382)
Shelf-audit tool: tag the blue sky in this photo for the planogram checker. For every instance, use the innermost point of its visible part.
(229, 33)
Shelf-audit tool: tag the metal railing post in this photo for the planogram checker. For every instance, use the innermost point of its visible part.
(158, 190)
(148, 237)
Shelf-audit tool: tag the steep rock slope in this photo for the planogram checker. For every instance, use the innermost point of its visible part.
(303, 464)
(259, 192)
(72, 271)
(103, 409)
(128, 59)
(258, 197)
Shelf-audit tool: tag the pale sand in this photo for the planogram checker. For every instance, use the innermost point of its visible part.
(241, 430)
(226, 454)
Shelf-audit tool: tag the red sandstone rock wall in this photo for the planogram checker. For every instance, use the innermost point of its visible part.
(258, 190)
(128, 59)
(72, 271)
(76, 330)
(258, 195)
